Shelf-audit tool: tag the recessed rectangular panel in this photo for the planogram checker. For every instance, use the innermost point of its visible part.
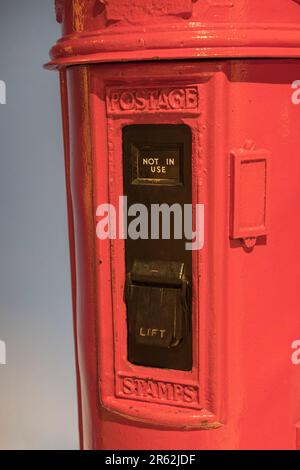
(252, 193)
(157, 171)
(157, 164)
(250, 197)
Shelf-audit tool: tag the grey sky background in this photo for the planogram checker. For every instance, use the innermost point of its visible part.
(37, 386)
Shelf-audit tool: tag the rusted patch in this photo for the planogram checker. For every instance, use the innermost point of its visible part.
(59, 10)
(79, 7)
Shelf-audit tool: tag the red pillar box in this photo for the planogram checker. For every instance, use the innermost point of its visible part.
(182, 342)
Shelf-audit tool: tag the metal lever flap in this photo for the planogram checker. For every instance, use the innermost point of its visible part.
(169, 273)
(158, 302)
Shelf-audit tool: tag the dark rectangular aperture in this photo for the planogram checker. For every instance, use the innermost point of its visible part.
(157, 170)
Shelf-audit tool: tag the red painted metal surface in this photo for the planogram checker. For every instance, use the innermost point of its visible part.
(250, 173)
(243, 391)
(94, 30)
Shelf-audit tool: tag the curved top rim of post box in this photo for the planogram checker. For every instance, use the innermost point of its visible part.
(99, 31)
